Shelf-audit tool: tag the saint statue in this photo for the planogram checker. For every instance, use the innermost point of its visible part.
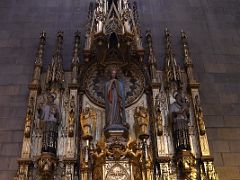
(49, 116)
(114, 101)
(180, 116)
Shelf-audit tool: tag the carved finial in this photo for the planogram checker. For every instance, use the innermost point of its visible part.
(39, 60)
(39, 54)
(135, 12)
(59, 42)
(55, 73)
(136, 16)
(150, 47)
(76, 49)
(187, 57)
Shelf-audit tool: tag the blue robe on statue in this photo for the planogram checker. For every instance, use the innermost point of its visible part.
(115, 103)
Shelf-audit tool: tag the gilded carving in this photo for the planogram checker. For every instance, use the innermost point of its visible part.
(189, 168)
(199, 116)
(46, 165)
(88, 122)
(99, 157)
(91, 123)
(142, 121)
(27, 129)
(210, 170)
(159, 121)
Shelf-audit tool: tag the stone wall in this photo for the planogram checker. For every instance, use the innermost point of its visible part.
(214, 35)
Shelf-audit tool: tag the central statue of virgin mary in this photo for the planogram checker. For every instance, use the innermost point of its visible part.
(114, 102)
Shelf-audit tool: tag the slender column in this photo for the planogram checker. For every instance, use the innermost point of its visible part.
(39, 60)
(151, 58)
(207, 166)
(34, 88)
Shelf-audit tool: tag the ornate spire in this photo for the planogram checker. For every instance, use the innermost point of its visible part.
(187, 59)
(55, 73)
(76, 49)
(113, 16)
(151, 58)
(75, 59)
(136, 16)
(173, 71)
(39, 60)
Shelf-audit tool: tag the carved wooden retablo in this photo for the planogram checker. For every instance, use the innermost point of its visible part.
(115, 115)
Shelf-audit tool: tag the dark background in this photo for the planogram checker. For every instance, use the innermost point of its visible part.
(213, 27)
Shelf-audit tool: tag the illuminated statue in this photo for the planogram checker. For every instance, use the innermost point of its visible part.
(180, 116)
(114, 101)
(49, 116)
(142, 122)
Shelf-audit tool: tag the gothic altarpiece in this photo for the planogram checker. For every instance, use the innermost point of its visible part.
(114, 115)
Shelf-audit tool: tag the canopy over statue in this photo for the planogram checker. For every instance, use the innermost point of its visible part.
(114, 102)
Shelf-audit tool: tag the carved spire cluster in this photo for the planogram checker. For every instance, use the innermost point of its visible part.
(115, 116)
(39, 60)
(188, 60)
(173, 71)
(55, 73)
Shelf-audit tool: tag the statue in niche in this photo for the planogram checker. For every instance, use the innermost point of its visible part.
(142, 121)
(49, 116)
(88, 122)
(159, 121)
(115, 102)
(180, 116)
(199, 116)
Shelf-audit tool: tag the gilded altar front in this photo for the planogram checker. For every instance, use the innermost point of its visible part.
(115, 114)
